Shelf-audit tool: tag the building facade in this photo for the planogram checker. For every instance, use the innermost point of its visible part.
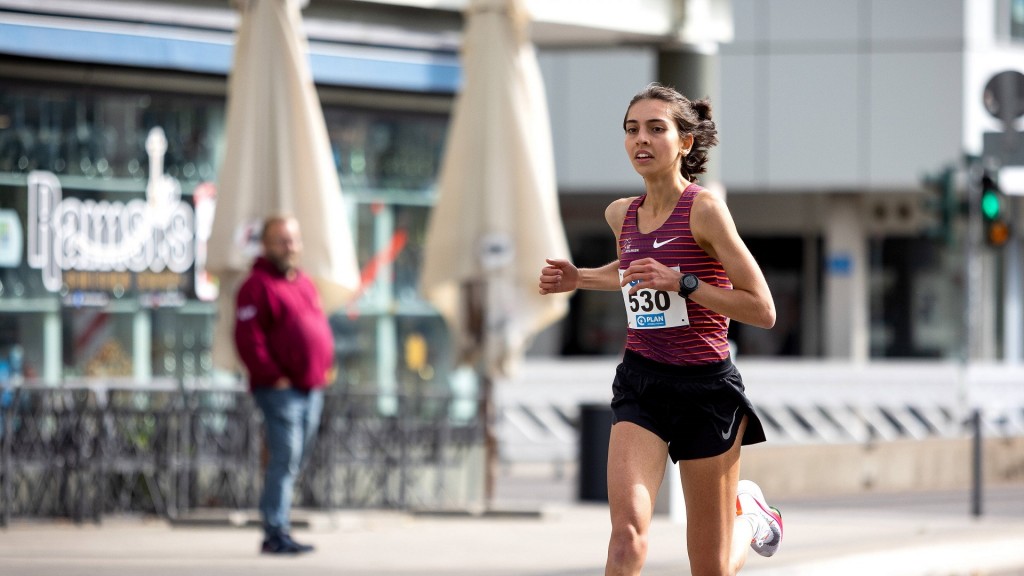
(831, 116)
(834, 117)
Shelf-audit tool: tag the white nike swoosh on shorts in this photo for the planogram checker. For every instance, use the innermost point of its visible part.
(727, 433)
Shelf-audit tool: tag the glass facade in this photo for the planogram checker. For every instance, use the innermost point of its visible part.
(1016, 10)
(78, 301)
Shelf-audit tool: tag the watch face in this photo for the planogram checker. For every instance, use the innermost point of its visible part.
(690, 282)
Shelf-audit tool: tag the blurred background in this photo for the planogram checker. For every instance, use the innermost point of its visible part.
(869, 163)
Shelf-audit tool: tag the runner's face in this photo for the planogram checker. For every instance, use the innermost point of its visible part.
(652, 140)
(282, 245)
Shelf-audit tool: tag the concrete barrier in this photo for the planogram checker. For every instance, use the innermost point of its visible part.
(835, 469)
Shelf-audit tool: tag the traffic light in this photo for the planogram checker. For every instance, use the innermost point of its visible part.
(942, 203)
(994, 208)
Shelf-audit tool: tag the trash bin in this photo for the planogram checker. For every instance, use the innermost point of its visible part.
(595, 431)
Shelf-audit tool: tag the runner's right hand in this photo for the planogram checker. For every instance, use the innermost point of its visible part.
(558, 276)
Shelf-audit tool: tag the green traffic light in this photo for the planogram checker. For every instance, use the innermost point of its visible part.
(990, 204)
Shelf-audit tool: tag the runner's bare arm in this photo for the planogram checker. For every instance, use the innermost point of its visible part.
(750, 300)
(562, 276)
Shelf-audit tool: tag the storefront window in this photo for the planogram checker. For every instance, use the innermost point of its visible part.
(386, 151)
(916, 299)
(401, 341)
(181, 343)
(355, 344)
(98, 342)
(93, 280)
(101, 135)
(116, 318)
(411, 224)
(390, 339)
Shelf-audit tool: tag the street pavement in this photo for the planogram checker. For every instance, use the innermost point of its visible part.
(542, 531)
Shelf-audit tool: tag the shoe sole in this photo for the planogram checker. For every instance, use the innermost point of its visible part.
(769, 549)
(773, 514)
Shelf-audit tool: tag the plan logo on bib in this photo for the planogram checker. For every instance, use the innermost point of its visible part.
(650, 320)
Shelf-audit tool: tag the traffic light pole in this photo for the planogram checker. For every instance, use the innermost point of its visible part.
(973, 268)
(1013, 308)
(972, 319)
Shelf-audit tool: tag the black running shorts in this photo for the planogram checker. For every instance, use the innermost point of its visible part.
(697, 410)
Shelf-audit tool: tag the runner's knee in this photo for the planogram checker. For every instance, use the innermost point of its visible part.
(628, 546)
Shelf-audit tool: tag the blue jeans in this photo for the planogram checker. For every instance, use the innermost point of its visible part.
(290, 420)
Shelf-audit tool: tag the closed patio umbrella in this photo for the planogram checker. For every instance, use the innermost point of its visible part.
(496, 217)
(277, 161)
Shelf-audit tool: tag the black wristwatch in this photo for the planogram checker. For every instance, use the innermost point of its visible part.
(687, 284)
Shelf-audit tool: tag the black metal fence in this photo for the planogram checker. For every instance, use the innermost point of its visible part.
(82, 452)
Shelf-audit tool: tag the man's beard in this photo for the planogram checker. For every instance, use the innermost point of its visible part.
(284, 264)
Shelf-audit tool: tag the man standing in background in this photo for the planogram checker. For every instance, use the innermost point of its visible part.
(286, 344)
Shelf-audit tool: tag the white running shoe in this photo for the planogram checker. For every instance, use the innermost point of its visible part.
(767, 519)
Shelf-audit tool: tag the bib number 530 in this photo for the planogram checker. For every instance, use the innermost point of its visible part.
(649, 301)
(649, 309)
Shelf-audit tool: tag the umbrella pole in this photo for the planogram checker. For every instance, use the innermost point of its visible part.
(490, 439)
(474, 293)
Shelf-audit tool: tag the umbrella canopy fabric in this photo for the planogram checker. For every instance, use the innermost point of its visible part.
(496, 217)
(277, 161)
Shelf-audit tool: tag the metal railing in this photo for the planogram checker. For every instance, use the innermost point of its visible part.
(84, 451)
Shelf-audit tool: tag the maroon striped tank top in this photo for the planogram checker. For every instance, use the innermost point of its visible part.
(705, 339)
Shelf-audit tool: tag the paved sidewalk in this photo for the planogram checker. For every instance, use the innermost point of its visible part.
(930, 534)
(901, 535)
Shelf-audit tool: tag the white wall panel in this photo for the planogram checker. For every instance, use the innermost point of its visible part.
(914, 116)
(794, 21)
(813, 123)
(907, 21)
(748, 20)
(588, 91)
(740, 115)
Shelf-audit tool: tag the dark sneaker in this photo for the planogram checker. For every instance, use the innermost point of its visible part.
(283, 544)
(299, 547)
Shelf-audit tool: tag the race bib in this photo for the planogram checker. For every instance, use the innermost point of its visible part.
(649, 309)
